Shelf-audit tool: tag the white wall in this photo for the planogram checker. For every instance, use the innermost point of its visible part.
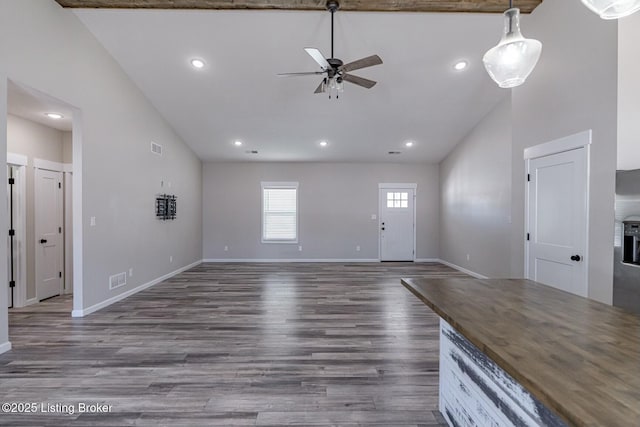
(475, 208)
(35, 141)
(574, 88)
(47, 48)
(629, 92)
(336, 201)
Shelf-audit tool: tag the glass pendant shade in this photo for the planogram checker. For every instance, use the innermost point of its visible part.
(613, 9)
(514, 58)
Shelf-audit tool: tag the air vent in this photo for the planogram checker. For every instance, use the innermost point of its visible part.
(156, 148)
(117, 280)
(395, 152)
(251, 151)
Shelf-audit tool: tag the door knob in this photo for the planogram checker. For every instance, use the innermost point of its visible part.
(576, 258)
(43, 241)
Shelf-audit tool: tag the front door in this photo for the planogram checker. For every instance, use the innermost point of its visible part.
(557, 210)
(48, 228)
(397, 224)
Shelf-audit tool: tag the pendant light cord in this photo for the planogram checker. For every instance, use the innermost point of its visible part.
(510, 4)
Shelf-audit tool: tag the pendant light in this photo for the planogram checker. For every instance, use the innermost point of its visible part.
(613, 9)
(514, 58)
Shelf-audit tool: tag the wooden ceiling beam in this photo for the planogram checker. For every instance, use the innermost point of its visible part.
(475, 6)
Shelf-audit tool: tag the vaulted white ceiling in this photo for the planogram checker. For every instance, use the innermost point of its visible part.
(237, 96)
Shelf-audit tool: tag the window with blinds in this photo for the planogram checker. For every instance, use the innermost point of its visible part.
(280, 212)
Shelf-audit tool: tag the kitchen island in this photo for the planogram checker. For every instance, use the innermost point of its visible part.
(515, 352)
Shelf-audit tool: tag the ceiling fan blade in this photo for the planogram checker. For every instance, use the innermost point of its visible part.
(321, 88)
(369, 61)
(307, 73)
(360, 81)
(318, 57)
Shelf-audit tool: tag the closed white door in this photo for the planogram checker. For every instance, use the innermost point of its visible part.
(557, 210)
(48, 227)
(397, 224)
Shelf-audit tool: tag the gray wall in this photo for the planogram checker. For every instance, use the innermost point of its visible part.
(336, 201)
(120, 176)
(629, 92)
(35, 141)
(4, 327)
(475, 208)
(574, 88)
(67, 145)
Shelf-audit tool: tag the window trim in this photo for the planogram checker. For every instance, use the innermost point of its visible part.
(285, 185)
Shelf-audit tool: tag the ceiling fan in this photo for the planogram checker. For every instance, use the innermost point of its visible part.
(335, 71)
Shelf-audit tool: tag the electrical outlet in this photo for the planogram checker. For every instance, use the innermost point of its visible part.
(374, 217)
(358, 248)
(131, 272)
(300, 248)
(93, 221)
(226, 248)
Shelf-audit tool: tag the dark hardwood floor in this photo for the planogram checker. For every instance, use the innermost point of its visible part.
(236, 344)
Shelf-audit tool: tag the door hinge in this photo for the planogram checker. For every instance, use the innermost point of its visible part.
(12, 181)
(12, 232)
(12, 284)
(528, 177)
(528, 237)
(59, 185)
(59, 229)
(60, 274)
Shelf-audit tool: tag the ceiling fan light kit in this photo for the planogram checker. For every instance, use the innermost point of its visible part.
(613, 9)
(514, 58)
(336, 71)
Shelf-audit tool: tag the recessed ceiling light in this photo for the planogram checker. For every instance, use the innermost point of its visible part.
(461, 65)
(238, 143)
(323, 143)
(54, 116)
(197, 63)
(408, 144)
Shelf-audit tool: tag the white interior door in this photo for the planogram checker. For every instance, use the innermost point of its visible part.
(48, 227)
(397, 224)
(557, 211)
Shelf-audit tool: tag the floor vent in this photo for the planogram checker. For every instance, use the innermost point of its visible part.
(117, 280)
(156, 148)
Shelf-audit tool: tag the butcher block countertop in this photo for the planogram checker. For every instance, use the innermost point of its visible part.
(579, 357)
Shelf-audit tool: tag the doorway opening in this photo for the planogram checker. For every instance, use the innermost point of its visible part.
(41, 149)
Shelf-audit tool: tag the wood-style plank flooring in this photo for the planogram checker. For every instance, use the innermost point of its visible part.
(236, 344)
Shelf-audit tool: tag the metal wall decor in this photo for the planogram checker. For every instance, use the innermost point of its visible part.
(166, 206)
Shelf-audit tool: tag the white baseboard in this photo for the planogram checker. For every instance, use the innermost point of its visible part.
(427, 260)
(30, 302)
(464, 270)
(5, 347)
(108, 302)
(259, 260)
